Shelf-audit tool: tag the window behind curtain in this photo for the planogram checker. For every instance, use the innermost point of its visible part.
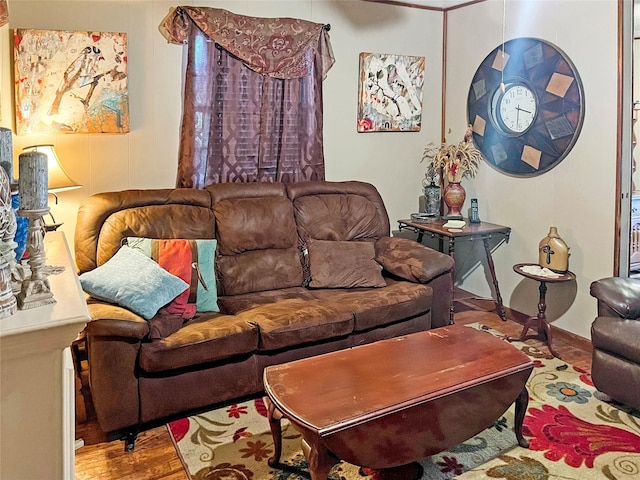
(242, 126)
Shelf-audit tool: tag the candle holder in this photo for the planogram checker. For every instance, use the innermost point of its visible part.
(8, 305)
(33, 184)
(36, 290)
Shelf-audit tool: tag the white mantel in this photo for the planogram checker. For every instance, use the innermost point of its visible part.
(37, 419)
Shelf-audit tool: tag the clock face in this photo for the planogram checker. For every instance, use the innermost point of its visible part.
(531, 126)
(516, 108)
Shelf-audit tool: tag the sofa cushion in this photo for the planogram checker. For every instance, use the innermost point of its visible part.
(234, 304)
(191, 260)
(259, 271)
(249, 224)
(257, 245)
(374, 307)
(153, 221)
(335, 264)
(295, 322)
(212, 338)
(340, 217)
(132, 280)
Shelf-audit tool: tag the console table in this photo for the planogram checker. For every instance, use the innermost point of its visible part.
(37, 426)
(484, 231)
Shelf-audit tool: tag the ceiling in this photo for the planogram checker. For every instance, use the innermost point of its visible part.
(434, 4)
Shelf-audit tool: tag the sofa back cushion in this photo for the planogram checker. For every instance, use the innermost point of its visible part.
(338, 224)
(258, 246)
(339, 211)
(106, 219)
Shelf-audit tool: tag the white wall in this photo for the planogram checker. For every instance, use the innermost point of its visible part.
(577, 196)
(147, 157)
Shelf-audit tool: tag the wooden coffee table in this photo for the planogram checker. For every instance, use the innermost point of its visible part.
(396, 401)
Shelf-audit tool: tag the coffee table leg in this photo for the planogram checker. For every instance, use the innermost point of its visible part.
(275, 416)
(319, 459)
(521, 409)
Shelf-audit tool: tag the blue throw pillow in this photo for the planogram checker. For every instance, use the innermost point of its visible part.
(134, 281)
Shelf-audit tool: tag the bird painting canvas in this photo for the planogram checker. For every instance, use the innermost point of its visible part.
(71, 82)
(390, 93)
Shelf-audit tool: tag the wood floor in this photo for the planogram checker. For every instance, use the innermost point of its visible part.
(155, 457)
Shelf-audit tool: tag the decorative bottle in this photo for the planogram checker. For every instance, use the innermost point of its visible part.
(553, 252)
(432, 197)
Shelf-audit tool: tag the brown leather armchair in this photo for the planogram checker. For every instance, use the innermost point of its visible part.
(615, 335)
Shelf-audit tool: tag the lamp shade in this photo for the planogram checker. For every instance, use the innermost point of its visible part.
(58, 178)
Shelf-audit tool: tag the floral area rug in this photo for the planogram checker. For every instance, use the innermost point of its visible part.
(573, 436)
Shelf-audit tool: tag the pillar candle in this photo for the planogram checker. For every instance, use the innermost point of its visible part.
(33, 181)
(6, 152)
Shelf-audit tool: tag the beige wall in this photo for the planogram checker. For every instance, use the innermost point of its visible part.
(146, 157)
(577, 196)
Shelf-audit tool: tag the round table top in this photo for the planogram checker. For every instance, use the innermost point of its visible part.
(563, 277)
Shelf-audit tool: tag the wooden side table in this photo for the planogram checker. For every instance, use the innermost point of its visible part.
(540, 321)
(484, 231)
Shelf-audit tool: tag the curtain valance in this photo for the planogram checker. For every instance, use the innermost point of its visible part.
(278, 47)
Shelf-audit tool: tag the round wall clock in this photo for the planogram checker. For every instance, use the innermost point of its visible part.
(526, 107)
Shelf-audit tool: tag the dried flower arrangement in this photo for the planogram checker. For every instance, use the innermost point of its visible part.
(454, 161)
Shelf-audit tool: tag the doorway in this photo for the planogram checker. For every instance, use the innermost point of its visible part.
(634, 225)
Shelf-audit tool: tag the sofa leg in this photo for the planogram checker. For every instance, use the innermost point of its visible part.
(130, 441)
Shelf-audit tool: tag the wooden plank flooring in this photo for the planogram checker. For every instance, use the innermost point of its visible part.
(155, 457)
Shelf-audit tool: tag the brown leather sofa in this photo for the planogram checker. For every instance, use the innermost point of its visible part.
(269, 311)
(615, 335)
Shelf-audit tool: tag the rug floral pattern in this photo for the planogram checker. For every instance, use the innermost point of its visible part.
(573, 436)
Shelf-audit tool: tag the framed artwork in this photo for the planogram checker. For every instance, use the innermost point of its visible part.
(71, 82)
(390, 93)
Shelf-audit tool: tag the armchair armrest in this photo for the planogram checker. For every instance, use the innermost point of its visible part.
(617, 296)
(410, 260)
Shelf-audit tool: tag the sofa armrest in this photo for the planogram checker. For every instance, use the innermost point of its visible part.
(617, 296)
(113, 321)
(410, 260)
(114, 338)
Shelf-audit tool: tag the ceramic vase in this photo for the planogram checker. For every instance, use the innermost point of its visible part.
(553, 252)
(454, 195)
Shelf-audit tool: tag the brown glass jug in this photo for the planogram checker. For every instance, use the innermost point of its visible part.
(553, 252)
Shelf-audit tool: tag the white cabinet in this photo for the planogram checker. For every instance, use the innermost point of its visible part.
(37, 424)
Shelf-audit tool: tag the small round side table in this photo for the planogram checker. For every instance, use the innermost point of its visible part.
(540, 320)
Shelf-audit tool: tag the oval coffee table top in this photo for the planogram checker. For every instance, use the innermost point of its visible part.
(336, 390)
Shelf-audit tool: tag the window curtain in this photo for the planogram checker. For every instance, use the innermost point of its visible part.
(252, 106)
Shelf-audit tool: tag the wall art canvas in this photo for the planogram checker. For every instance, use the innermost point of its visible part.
(4, 13)
(390, 93)
(71, 82)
